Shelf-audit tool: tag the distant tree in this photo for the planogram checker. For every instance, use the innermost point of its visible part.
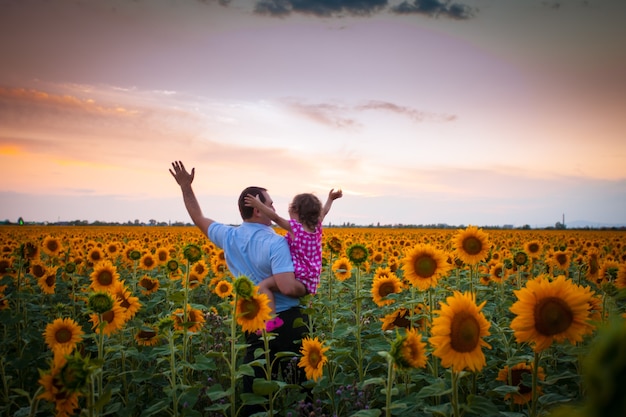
(560, 226)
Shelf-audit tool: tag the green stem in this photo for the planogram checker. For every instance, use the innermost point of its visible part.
(535, 382)
(233, 359)
(390, 379)
(358, 324)
(173, 378)
(455, 393)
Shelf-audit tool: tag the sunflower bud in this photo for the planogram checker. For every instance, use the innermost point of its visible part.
(172, 265)
(76, 372)
(100, 302)
(166, 323)
(134, 255)
(192, 252)
(244, 287)
(357, 253)
(70, 267)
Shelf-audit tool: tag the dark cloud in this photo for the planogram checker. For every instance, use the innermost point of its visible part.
(321, 8)
(435, 8)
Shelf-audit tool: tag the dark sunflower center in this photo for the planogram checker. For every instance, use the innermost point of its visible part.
(95, 256)
(105, 278)
(561, 258)
(50, 280)
(516, 379)
(425, 266)
(498, 272)
(472, 245)
(148, 262)
(402, 321)
(465, 332)
(552, 316)
(53, 245)
(533, 248)
(38, 271)
(146, 334)
(386, 289)
(63, 335)
(147, 284)
(314, 358)
(250, 309)
(108, 316)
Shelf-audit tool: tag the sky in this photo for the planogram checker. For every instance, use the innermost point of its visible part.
(481, 112)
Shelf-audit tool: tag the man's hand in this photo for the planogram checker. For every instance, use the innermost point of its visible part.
(180, 174)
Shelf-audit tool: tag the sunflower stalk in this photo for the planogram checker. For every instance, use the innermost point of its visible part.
(233, 358)
(391, 375)
(535, 382)
(173, 375)
(185, 327)
(455, 393)
(359, 326)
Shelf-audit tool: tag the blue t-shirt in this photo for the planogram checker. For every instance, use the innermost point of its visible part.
(256, 251)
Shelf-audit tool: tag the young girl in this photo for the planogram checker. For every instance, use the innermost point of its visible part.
(304, 235)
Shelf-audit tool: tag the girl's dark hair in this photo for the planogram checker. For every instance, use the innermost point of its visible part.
(309, 209)
(246, 211)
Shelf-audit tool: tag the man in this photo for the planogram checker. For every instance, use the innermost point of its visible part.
(253, 249)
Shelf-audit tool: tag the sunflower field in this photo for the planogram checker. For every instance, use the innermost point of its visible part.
(148, 321)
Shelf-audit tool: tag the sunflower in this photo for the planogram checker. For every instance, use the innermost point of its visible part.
(193, 280)
(253, 312)
(65, 402)
(6, 267)
(378, 257)
(382, 286)
(192, 252)
(38, 269)
(48, 281)
(162, 255)
(113, 249)
(424, 265)
(357, 253)
(62, 335)
(128, 301)
(334, 244)
(559, 259)
(223, 289)
(104, 276)
(471, 245)
(593, 265)
(548, 311)
(200, 268)
(313, 357)
(147, 336)
(194, 321)
(533, 248)
(517, 372)
(113, 320)
(497, 272)
(520, 258)
(409, 351)
(95, 255)
(52, 246)
(148, 262)
(148, 285)
(401, 318)
(458, 332)
(342, 268)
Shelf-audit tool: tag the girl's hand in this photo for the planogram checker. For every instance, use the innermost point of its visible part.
(333, 195)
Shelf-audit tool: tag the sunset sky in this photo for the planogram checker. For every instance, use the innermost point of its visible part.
(483, 112)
